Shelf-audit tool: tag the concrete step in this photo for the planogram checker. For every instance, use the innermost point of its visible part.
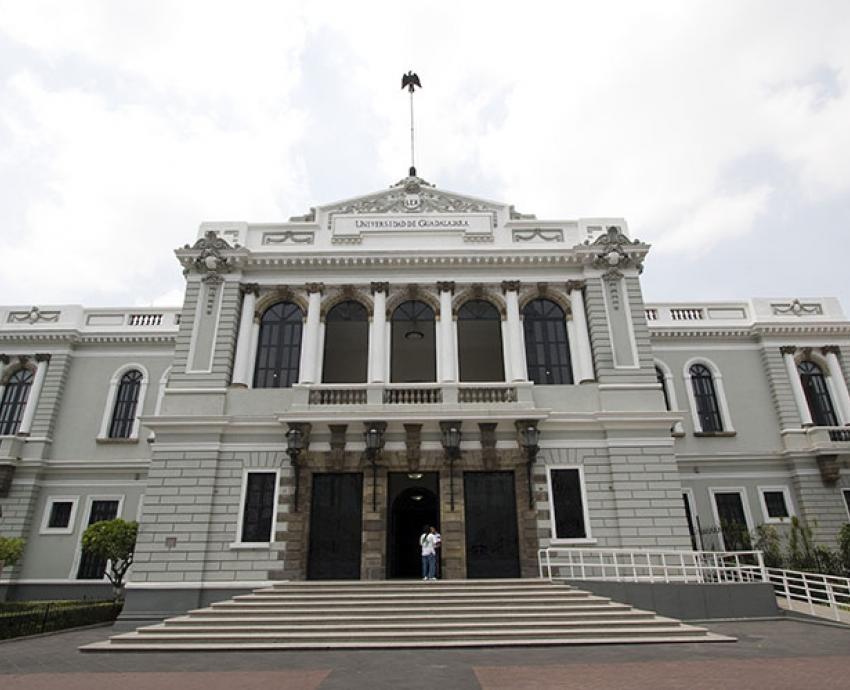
(411, 615)
(339, 627)
(603, 614)
(162, 636)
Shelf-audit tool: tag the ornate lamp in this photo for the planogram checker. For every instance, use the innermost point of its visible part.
(294, 448)
(529, 435)
(450, 438)
(374, 437)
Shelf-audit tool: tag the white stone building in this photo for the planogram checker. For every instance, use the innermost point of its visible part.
(411, 356)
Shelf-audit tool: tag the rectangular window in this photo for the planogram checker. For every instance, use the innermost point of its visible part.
(690, 518)
(93, 567)
(568, 506)
(846, 493)
(774, 501)
(59, 512)
(258, 512)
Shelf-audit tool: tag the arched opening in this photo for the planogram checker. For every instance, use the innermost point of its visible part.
(413, 503)
(14, 402)
(346, 344)
(413, 355)
(547, 350)
(662, 380)
(705, 397)
(479, 340)
(126, 402)
(817, 394)
(279, 346)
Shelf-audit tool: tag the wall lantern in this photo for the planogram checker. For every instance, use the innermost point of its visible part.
(529, 436)
(294, 448)
(374, 437)
(450, 438)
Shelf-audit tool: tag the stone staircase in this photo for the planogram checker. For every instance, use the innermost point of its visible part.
(407, 614)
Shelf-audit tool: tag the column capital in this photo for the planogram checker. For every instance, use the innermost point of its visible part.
(379, 287)
(314, 287)
(831, 350)
(788, 349)
(250, 289)
(42, 357)
(510, 286)
(575, 285)
(446, 286)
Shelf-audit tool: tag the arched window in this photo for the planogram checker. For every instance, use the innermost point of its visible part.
(14, 402)
(817, 394)
(662, 379)
(705, 398)
(413, 355)
(346, 344)
(479, 340)
(279, 346)
(547, 351)
(126, 401)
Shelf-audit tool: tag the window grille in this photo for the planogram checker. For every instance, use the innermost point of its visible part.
(705, 396)
(547, 350)
(126, 401)
(817, 394)
(279, 346)
(14, 402)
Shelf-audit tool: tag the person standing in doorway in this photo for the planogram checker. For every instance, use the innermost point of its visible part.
(426, 543)
(438, 552)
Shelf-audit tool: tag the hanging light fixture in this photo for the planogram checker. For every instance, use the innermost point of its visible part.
(450, 438)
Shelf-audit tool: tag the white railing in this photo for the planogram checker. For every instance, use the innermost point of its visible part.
(338, 396)
(813, 590)
(144, 320)
(487, 394)
(417, 395)
(686, 314)
(823, 595)
(628, 565)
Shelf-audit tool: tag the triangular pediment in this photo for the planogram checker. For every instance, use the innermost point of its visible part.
(411, 195)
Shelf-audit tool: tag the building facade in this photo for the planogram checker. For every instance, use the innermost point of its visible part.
(411, 356)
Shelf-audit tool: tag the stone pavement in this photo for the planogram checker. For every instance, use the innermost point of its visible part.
(779, 655)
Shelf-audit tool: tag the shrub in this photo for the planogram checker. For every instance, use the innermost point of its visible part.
(11, 550)
(114, 540)
(768, 542)
(844, 548)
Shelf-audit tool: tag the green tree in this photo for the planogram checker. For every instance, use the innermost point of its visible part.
(768, 542)
(11, 550)
(844, 548)
(114, 540)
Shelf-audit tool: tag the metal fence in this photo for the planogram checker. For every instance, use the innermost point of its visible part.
(33, 618)
(823, 595)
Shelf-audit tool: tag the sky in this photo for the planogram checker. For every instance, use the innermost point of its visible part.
(720, 130)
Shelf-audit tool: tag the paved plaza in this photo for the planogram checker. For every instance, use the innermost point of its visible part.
(781, 654)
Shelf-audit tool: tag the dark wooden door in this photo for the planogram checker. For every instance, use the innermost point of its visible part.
(336, 516)
(92, 567)
(492, 546)
(733, 521)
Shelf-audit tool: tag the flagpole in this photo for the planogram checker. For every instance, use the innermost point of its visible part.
(412, 160)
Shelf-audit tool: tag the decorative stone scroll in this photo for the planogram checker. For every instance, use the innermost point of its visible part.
(538, 234)
(797, 308)
(288, 237)
(34, 315)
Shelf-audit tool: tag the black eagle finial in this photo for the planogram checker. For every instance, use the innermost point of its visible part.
(411, 81)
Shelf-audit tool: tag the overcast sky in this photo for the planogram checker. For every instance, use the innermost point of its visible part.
(720, 130)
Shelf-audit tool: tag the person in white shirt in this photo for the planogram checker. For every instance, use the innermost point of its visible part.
(427, 543)
(438, 543)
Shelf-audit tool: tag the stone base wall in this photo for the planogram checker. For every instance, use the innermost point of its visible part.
(294, 531)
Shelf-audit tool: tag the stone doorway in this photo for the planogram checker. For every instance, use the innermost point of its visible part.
(412, 503)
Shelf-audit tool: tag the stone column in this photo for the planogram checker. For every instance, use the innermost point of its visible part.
(448, 356)
(242, 360)
(34, 394)
(514, 360)
(310, 343)
(574, 359)
(839, 383)
(796, 385)
(378, 338)
(580, 348)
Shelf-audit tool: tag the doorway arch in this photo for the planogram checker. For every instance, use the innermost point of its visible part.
(414, 502)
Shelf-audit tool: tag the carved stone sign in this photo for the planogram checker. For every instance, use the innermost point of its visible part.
(356, 224)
